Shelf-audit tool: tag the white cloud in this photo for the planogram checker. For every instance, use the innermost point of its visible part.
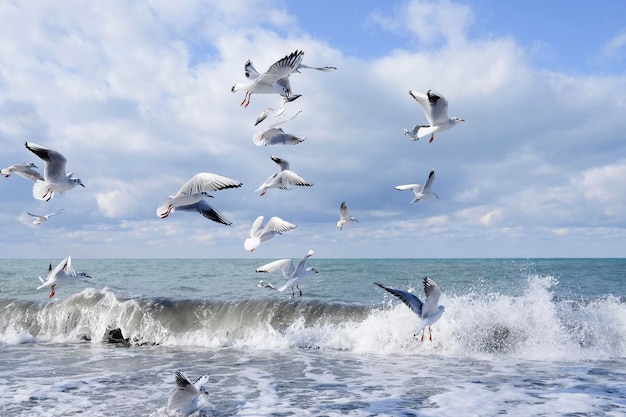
(615, 46)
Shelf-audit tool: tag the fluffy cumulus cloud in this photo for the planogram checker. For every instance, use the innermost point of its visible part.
(137, 96)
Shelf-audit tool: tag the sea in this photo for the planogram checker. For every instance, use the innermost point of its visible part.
(519, 337)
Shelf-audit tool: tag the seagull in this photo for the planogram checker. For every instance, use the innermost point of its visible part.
(191, 195)
(427, 311)
(436, 109)
(39, 219)
(273, 81)
(260, 233)
(294, 275)
(282, 179)
(62, 274)
(55, 178)
(24, 169)
(278, 112)
(421, 193)
(263, 284)
(344, 216)
(274, 135)
(184, 399)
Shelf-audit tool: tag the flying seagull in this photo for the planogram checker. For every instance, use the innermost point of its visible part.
(435, 107)
(344, 216)
(25, 169)
(294, 275)
(273, 81)
(191, 195)
(278, 112)
(62, 274)
(260, 232)
(55, 178)
(283, 179)
(421, 193)
(39, 219)
(427, 311)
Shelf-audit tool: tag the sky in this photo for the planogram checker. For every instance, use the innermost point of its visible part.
(137, 96)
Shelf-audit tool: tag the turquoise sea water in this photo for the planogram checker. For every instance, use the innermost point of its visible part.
(519, 337)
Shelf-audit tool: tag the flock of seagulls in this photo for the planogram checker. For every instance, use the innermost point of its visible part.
(193, 194)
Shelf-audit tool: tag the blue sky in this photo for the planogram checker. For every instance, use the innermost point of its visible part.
(137, 96)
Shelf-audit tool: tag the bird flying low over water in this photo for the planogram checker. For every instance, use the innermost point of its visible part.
(25, 169)
(427, 311)
(184, 399)
(55, 178)
(38, 218)
(421, 192)
(260, 232)
(435, 107)
(344, 216)
(62, 274)
(294, 275)
(190, 197)
(283, 179)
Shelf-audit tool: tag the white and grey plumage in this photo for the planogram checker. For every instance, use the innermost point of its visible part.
(184, 399)
(273, 81)
(275, 135)
(38, 218)
(260, 232)
(25, 169)
(435, 107)
(344, 216)
(280, 110)
(282, 179)
(428, 311)
(191, 195)
(295, 275)
(62, 274)
(421, 192)
(55, 178)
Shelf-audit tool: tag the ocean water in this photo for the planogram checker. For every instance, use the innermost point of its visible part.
(519, 337)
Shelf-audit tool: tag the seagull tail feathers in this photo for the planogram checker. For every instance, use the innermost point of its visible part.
(251, 243)
(41, 191)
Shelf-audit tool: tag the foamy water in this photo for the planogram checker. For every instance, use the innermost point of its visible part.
(519, 342)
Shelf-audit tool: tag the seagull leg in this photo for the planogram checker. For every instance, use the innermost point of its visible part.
(423, 330)
(432, 137)
(52, 291)
(430, 334)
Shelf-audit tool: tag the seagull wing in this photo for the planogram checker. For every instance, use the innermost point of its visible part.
(429, 181)
(205, 182)
(433, 292)
(257, 227)
(302, 265)
(406, 187)
(55, 161)
(279, 225)
(411, 301)
(288, 177)
(29, 173)
(438, 108)
(344, 212)
(283, 265)
(206, 210)
(422, 99)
